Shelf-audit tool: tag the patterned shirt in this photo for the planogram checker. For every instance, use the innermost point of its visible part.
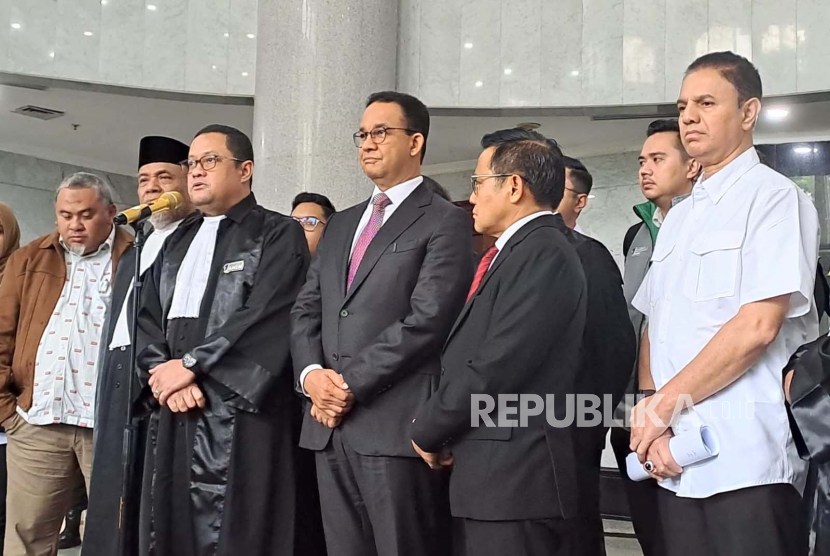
(66, 367)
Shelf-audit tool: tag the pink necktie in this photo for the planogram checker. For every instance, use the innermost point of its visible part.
(379, 204)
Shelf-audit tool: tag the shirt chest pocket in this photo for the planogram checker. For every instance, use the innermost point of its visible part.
(714, 263)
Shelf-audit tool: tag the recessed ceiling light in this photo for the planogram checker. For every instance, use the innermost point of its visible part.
(507, 71)
(227, 35)
(244, 74)
(592, 196)
(16, 26)
(151, 7)
(51, 54)
(87, 33)
(251, 36)
(777, 113)
(103, 2)
(213, 67)
(802, 150)
(575, 73)
(479, 83)
(815, 149)
(468, 45)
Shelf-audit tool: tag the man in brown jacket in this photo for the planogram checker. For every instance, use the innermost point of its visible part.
(53, 299)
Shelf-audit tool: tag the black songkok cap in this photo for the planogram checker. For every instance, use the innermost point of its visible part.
(161, 149)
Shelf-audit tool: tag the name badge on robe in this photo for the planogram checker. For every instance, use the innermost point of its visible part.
(233, 267)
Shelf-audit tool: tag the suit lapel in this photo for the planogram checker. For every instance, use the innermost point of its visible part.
(502, 257)
(405, 215)
(345, 247)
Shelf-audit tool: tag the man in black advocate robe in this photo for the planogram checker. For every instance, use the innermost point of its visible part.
(159, 171)
(219, 470)
(388, 279)
(513, 488)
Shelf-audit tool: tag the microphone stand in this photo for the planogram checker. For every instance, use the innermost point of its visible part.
(130, 428)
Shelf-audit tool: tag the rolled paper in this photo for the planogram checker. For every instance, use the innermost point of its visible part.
(688, 448)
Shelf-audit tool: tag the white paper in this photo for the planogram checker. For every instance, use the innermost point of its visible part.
(687, 449)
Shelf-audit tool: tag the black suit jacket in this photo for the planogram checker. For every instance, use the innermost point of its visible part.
(385, 334)
(519, 334)
(608, 345)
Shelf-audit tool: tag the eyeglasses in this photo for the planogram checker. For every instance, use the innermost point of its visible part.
(378, 135)
(208, 162)
(308, 222)
(474, 185)
(578, 193)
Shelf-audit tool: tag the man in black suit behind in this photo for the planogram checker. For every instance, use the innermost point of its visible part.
(513, 489)
(387, 282)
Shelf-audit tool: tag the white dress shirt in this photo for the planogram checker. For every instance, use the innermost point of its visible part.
(66, 367)
(397, 195)
(747, 234)
(512, 229)
(152, 247)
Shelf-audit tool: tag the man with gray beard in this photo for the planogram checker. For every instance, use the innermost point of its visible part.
(159, 172)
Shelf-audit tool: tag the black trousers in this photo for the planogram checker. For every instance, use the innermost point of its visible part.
(642, 499)
(532, 537)
(381, 506)
(589, 443)
(766, 519)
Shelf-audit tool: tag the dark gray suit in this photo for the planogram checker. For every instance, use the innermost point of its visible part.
(384, 336)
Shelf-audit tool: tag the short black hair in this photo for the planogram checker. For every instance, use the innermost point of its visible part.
(414, 111)
(438, 189)
(317, 199)
(581, 178)
(534, 157)
(668, 125)
(734, 68)
(237, 142)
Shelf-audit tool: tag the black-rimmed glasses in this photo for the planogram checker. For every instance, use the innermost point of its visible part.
(378, 135)
(208, 162)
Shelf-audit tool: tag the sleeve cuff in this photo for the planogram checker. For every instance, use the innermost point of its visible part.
(312, 367)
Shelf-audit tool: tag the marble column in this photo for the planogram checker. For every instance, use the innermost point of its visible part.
(317, 61)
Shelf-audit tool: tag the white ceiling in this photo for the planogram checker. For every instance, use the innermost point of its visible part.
(111, 125)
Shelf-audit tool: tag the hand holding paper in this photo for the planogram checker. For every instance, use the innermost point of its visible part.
(687, 448)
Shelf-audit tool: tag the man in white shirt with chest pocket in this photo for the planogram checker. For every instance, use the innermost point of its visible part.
(728, 300)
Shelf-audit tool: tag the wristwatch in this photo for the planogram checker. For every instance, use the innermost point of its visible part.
(188, 361)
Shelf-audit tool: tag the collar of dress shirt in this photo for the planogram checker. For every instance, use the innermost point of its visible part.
(398, 193)
(717, 186)
(516, 226)
(657, 217)
(106, 245)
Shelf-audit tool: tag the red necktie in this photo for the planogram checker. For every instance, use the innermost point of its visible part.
(483, 266)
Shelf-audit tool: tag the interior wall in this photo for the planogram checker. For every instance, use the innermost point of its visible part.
(28, 184)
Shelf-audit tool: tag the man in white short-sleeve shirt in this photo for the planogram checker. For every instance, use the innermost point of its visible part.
(728, 300)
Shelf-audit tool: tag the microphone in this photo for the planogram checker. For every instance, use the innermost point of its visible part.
(168, 201)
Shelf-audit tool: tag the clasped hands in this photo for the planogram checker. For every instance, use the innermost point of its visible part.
(174, 385)
(330, 396)
(650, 439)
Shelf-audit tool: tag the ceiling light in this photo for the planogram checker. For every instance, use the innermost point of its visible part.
(815, 149)
(151, 7)
(479, 83)
(802, 150)
(507, 71)
(575, 73)
(16, 26)
(251, 36)
(244, 74)
(103, 2)
(592, 196)
(51, 54)
(468, 45)
(227, 35)
(87, 33)
(213, 67)
(777, 113)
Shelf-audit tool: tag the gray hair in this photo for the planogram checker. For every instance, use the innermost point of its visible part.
(85, 180)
